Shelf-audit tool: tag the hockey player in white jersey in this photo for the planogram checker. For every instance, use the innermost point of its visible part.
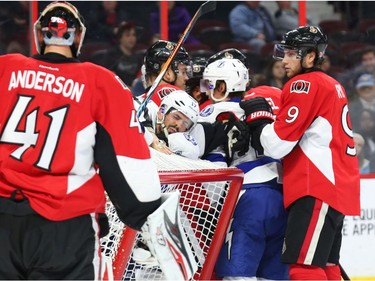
(167, 127)
(253, 245)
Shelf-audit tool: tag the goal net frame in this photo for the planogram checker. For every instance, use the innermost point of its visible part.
(232, 177)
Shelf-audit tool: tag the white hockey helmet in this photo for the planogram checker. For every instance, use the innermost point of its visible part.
(232, 71)
(182, 102)
(57, 25)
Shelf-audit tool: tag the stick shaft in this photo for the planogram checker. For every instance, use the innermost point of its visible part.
(344, 275)
(203, 9)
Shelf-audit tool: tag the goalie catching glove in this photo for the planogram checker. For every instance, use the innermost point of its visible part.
(258, 114)
(238, 134)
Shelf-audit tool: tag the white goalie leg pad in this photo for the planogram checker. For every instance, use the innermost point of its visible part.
(167, 239)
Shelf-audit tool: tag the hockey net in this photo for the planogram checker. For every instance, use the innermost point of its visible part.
(208, 194)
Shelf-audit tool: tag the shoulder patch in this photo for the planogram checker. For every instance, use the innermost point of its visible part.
(190, 138)
(163, 92)
(300, 87)
(207, 111)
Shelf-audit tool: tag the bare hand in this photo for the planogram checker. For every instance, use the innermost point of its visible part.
(161, 146)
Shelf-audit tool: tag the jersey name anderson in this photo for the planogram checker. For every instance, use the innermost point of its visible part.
(42, 81)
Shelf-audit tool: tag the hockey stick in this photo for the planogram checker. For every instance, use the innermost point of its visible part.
(205, 8)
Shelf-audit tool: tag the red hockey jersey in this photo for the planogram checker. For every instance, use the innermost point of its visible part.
(161, 91)
(313, 133)
(60, 121)
(271, 94)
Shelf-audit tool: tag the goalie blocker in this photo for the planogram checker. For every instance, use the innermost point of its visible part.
(167, 240)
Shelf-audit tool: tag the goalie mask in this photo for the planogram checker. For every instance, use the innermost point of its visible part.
(158, 54)
(182, 102)
(303, 40)
(58, 25)
(232, 71)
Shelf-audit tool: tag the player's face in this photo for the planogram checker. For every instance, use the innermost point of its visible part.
(176, 121)
(292, 62)
(182, 76)
(197, 94)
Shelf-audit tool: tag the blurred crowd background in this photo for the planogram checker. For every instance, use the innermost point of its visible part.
(119, 33)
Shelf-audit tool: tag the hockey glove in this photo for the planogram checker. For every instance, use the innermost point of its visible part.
(258, 114)
(238, 134)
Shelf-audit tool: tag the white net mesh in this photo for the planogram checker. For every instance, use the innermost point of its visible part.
(175, 162)
(204, 188)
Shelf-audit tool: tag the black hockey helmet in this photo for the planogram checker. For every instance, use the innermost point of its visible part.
(198, 66)
(158, 54)
(57, 25)
(304, 39)
(231, 53)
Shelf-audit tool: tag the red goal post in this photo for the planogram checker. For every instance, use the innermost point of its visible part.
(208, 195)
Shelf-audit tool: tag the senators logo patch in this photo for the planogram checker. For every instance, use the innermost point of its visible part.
(300, 87)
(162, 93)
(313, 29)
(169, 46)
(228, 55)
(196, 68)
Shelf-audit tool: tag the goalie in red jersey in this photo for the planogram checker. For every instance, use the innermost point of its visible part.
(312, 134)
(61, 120)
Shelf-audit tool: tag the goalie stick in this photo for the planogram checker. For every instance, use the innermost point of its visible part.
(205, 8)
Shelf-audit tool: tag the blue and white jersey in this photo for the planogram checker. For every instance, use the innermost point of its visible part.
(256, 170)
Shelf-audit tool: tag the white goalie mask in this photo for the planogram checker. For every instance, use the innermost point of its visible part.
(182, 102)
(58, 25)
(232, 71)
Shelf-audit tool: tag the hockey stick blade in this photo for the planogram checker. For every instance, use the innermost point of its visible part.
(205, 8)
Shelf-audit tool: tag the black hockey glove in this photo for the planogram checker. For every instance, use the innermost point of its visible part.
(258, 114)
(237, 132)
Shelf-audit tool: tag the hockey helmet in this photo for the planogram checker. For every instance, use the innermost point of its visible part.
(57, 25)
(232, 71)
(231, 53)
(197, 67)
(303, 39)
(158, 54)
(182, 102)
